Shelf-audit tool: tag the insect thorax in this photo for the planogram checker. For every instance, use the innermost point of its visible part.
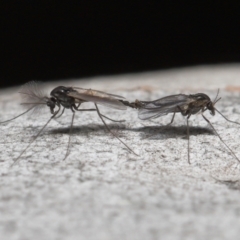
(60, 94)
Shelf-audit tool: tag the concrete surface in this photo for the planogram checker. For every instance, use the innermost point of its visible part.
(101, 191)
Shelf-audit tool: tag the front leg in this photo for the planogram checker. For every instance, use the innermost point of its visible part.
(188, 114)
(188, 137)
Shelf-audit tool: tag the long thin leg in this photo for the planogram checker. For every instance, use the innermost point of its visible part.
(186, 113)
(78, 105)
(188, 137)
(71, 127)
(99, 114)
(17, 159)
(18, 115)
(86, 110)
(112, 119)
(70, 133)
(227, 118)
(74, 107)
(77, 109)
(221, 138)
(83, 110)
(60, 114)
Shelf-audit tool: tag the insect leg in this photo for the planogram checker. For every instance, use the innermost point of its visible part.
(78, 105)
(74, 107)
(70, 133)
(99, 114)
(83, 110)
(77, 108)
(186, 113)
(172, 119)
(226, 118)
(112, 119)
(17, 159)
(188, 137)
(18, 115)
(60, 114)
(220, 138)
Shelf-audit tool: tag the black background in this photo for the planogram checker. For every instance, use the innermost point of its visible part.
(47, 40)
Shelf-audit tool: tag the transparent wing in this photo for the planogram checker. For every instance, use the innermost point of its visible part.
(102, 98)
(163, 106)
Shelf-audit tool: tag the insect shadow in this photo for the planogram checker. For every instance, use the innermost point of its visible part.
(187, 105)
(159, 132)
(86, 129)
(71, 98)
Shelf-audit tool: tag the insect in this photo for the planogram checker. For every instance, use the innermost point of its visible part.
(62, 98)
(187, 105)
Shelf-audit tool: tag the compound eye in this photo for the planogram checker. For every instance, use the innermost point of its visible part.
(53, 100)
(49, 104)
(209, 105)
(211, 108)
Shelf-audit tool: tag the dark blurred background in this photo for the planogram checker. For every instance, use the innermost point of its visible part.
(48, 40)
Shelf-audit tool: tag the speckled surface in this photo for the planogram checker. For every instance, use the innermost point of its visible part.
(101, 191)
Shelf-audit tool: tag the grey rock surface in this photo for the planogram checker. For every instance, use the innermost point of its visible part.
(102, 191)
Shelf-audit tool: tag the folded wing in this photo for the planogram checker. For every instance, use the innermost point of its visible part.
(163, 106)
(98, 97)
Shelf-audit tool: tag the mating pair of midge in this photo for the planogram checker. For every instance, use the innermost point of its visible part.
(62, 98)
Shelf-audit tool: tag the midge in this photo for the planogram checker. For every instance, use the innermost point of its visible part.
(187, 105)
(71, 98)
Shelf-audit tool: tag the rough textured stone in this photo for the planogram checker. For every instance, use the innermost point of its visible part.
(101, 191)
